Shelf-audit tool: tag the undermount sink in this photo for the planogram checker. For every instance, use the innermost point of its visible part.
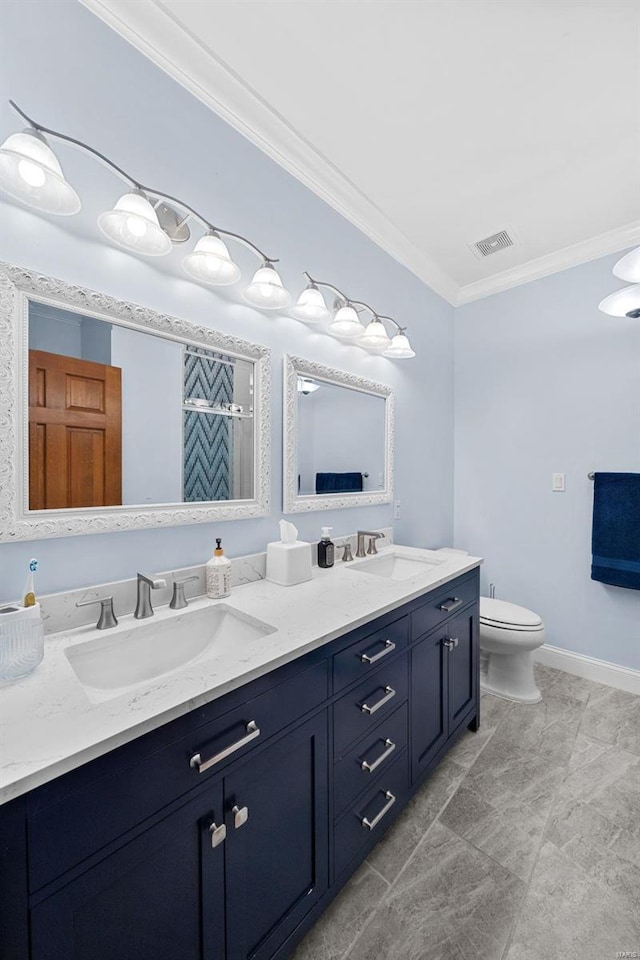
(156, 646)
(395, 565)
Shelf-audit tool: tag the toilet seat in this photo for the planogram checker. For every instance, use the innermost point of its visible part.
(500, 614)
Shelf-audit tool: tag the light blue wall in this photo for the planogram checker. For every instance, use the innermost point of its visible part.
(152, 378)
(71, 72)
(545, 383)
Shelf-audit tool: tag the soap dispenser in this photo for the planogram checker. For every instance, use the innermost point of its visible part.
(218, 574)
(326, 549)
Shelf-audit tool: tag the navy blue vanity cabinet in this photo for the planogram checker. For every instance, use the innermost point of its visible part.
(159, 896)
(224, 834)
(462, 671)
(444, 671)
(428, 702)
(277, 840)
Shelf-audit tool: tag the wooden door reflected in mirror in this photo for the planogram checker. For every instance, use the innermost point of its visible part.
(75, 433)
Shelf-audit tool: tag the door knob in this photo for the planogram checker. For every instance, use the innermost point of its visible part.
(240, 815)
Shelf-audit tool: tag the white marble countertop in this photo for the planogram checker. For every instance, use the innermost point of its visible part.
(50, 723)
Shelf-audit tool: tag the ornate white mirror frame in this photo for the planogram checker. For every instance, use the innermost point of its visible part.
(294, 502)
(17, 522)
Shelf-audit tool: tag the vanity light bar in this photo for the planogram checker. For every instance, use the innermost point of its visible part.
(345, 323)
(149, 222)
(144, 220)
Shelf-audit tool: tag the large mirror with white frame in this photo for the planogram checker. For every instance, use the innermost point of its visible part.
(338, 438)
(115, 417)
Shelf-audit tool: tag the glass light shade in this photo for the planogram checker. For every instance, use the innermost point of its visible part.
(307, 386)
(210, 262)
(628, 267)
(266, 290)
(310, 306)
(375, 337)
(346, 324)
(30, 172)
(622, 303)
(400, 348)
(133, 224)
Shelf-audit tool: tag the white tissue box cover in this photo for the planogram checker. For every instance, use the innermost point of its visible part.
(288, 563)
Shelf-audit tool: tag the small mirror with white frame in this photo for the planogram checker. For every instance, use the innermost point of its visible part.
(338, 438)
(115, 417)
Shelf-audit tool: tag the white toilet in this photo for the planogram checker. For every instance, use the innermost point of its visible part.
(508, 635)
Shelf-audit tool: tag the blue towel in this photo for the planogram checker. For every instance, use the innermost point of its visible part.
(615, 542)
(338, 482)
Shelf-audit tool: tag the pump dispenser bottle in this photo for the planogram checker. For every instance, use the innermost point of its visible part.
(326, 549)
(218, 573)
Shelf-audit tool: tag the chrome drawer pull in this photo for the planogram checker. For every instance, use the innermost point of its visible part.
(370, 767)
(197, 763)
(389, 647)
(218, 833)
(450, 644)
(389, 695)
(370, 824)
(452, 604)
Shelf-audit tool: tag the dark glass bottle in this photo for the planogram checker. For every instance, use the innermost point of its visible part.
(326, 549)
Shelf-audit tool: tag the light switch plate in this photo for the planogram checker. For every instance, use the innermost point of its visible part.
(557, 482)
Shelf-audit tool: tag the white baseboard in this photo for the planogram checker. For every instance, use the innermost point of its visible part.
(600, 671)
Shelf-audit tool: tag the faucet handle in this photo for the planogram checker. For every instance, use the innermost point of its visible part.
(347, 555)
(372, 544)
(178, 600)
(107, 617)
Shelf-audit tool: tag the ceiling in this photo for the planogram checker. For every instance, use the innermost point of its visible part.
(431, 124)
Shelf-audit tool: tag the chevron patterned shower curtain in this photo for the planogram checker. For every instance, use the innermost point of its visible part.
(208, 439)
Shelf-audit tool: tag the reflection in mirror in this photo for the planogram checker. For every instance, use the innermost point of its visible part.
(122, 416)
(341, 439)
(338, 438)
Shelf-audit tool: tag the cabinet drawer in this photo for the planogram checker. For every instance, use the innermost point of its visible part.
(369, 759)
(108, 805)
(366, 655)
(362, 825)
(360, 710)
(442, 603)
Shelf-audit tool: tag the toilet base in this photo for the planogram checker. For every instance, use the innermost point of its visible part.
(510, 676)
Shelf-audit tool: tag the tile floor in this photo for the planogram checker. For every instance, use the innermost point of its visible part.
(523, 845)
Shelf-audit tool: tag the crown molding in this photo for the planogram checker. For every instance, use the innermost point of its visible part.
(573, 256)
(152, 30)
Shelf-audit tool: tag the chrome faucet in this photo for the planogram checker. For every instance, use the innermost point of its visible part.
(372, 543)
(145, 586)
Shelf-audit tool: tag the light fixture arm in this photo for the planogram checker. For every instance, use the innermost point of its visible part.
(329, 286)
(354, 303)
(156, 194)
(399, 329)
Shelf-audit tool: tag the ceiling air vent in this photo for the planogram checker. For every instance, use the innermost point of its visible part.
(497, 241)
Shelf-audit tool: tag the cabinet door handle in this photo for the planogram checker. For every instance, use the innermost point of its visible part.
(370, 824)
(389, 695)
(450, 644)
(451, 604)
(240, 815)
(201, 765)
(370, 767)
(218, 834)
(389, 647)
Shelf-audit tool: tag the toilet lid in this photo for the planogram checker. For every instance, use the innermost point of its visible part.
(499, 611)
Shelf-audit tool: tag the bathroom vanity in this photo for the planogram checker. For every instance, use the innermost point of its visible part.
(226, 828)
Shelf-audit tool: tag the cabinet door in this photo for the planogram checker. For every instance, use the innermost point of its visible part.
(277, 840)
(462, 664)
(428, 702)
(160, 897)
